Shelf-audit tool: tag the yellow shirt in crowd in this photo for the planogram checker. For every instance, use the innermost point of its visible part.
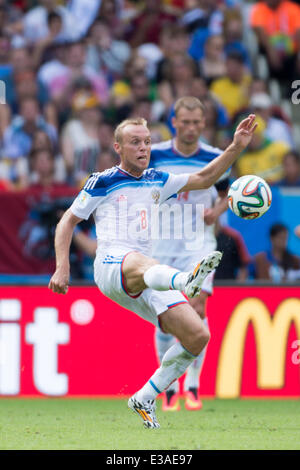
(265, 162)
(233, 96)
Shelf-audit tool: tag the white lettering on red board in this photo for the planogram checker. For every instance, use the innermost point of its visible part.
(45, 333)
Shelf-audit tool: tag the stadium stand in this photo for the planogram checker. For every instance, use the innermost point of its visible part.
(71, 70)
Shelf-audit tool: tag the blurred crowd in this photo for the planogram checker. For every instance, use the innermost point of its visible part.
(71, 70)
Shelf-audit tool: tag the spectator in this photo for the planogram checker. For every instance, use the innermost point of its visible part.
(14, 60)
(277, 264)
(291, 170)
(10, 18)
(236, 259)
(202, 18)
(17, 140)
(134, 87)
(142, 88)
(41, 141)
(36, 25)
(42, 166)
(173, 40)
(233, 31)
(212, 65)
(25, 85)
(258, 85)
(262, 157)
(106, 54)
(276, 129)
(200, 90)
(63, 86)
(147, 25)
(179, 78)
(277, 26)
(80, 138)
(20, 58)
(54, 67)
(43, 46)
(18, 136)
(21, 82)
(233, 89)
(111, 12)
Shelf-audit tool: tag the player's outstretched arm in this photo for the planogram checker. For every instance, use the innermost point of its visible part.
(208, 176)
(63, 236)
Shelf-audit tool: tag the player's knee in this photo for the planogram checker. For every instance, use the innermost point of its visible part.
(200, 339)
(204, 335)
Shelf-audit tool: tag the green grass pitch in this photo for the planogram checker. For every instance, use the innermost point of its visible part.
(92, 424)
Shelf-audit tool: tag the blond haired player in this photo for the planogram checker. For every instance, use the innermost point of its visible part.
(124, 269)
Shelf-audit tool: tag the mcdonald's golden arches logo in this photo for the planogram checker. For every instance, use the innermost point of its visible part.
(271, 335)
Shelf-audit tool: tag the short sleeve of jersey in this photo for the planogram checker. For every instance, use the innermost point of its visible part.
(89, 197)
(173, 184)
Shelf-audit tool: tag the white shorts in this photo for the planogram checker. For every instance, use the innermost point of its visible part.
(148, 304)
(187, 264)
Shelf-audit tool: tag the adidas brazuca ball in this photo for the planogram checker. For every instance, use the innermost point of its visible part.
(249, 197)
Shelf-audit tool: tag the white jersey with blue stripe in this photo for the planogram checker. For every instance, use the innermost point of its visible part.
(122, 206)
(165, 157)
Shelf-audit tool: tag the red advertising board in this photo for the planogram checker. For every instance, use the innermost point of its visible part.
(84, 344)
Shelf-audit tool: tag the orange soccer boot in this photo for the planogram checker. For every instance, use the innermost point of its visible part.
(171, 401)
(192, 401)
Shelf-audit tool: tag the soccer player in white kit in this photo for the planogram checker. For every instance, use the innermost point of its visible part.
(121, 200)
(184, 154)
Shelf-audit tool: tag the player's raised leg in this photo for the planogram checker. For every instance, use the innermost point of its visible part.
(140, 272)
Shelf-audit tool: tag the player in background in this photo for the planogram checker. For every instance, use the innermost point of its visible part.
(124, 269)
(183, 154)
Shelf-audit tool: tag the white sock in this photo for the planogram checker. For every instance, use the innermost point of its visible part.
(193, 371)
(163, 277)
(163, 342)
(174, 364)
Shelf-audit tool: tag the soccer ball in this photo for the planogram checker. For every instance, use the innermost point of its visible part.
(249, 197)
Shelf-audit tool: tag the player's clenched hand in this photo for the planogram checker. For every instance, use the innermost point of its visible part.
(59, 282)
(244, 131)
